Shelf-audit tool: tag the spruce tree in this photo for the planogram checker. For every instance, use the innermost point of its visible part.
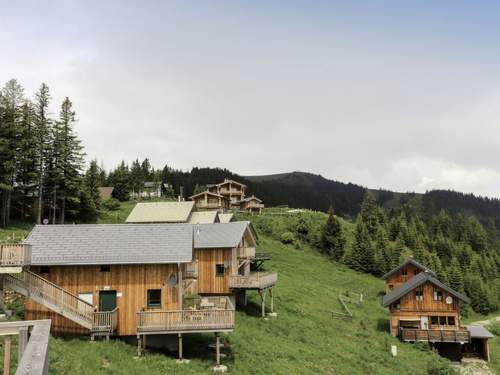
(92, 183)
(455, 276)
(332, 238)
(370, 213)
(361, 257)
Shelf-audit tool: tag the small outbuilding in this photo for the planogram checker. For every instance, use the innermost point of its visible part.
(479, 345)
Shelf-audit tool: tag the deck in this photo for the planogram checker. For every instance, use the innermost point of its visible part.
(209, 316)
(256, 280)
(435, 335)
(17, 255)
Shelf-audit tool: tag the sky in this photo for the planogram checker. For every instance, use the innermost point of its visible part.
(402, 95)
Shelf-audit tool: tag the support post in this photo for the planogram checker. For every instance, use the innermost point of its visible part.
(272, 299)
(144, 340)
(180, 346)
(139, 346)
(2, 296)
(262, 294)
(6, 355)
(180, 286)
(23, 341)
(217, 348)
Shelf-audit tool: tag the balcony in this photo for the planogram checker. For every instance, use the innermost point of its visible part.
(210, 205)
(18, 255)
(214, 314)
(435, 335)
(105, 323)
(256, 280)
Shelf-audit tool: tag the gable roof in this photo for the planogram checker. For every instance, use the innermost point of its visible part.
(479, 332)
(110, 244)
(206, 192)
(203, 217)
(406, 262)
(415, 282)
(221, 235)
(161, 212)
(252, 198)
(226, 181)
(226, 218)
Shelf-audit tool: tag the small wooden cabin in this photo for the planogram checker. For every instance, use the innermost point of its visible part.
(233, 191)
(208, 200)
(252, 204)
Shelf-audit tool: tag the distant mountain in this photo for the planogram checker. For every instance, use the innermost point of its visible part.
(307, 190)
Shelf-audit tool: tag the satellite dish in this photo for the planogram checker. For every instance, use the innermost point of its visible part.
(172, 280)
(45, 221)
(449, 300)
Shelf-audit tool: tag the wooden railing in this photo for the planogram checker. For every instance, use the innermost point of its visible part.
(435, 335)
(194, 320)
(246, 252)
(256, 280)
(52, 296)
(33, 349)
(15, 255)
(105, 321)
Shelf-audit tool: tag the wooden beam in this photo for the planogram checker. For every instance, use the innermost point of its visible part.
(272, 299)
(180, 346)
(7, 343)
(23, 341)
(217, 348)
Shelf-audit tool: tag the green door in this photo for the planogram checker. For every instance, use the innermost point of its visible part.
(107, 300)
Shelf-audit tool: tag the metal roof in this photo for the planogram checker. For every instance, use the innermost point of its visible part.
(161, 212)
(110, 244)
(226, 218)
(479, 332)
(406, 262)
(415, 282)
(219, 235)
(203, 217)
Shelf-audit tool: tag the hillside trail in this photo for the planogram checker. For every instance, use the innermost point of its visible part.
(475, 366)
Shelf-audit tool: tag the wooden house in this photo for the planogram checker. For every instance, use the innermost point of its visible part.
(211, 201)
(424, 309)
(134, 279)
(150, 189)
(232, 190)
(251, 204)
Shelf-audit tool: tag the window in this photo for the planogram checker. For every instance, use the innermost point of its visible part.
(391, 287)
(154, 298)
(434, 320)
(105, 268)
(404, 272)
(438, 295)
(419, 295)
(219, 270)
(44, 269)
(396, 305)
(451, 320)
(442, 320)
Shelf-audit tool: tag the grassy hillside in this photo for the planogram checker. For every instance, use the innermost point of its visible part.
(304, 338)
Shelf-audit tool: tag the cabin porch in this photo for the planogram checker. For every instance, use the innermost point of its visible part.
(461, 335)
(263, 282)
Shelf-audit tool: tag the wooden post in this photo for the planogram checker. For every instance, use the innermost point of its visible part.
(180, 286)
(6, 355)
(144, 340)
(263, 302)
(180, 346)
(272, 299)
(217, 348)
(23, 341)
(139, 346)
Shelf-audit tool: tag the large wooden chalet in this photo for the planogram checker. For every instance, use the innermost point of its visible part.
(135, 279)
(424, 309)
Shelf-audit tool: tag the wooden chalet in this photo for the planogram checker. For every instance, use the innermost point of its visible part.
(232, 190)
(424, 309)
(208, 200)
(251, 204)
(134, 279)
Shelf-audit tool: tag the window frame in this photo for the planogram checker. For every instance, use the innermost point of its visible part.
(219, 267)
(419, 295)
(442, 320)
(105, 268)
(438, 295)
(434, 320)
(148, 299)
(448, 318)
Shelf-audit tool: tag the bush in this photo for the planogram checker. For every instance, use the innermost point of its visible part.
(287, 238)
(440, 367)
(111, 204)
(494, 328)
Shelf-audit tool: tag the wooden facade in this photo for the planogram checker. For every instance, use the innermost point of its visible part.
(401, 276)
(208, 200)
(131, 283)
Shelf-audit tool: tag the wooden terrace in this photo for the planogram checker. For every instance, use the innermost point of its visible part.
(435, 335)
(255, 280)
(15, 255)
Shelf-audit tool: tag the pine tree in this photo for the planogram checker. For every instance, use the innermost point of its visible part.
(478, 238)
(42, 130)
(120, 180)
(361, 257)
(332, 238)
(92, 183)
(383, 254)
(370, 213)
(136, 178)
(455, 277)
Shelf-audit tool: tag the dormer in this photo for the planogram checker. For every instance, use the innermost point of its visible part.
(402, 273)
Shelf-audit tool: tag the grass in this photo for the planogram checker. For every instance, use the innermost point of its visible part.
(303, 339)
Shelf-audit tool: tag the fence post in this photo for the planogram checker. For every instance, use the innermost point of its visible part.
(23, 341)
(6, 355)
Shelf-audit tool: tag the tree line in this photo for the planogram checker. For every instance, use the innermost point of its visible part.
(41, 160)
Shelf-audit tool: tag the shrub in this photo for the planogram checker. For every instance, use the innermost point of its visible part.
(440, 367)
(495, 328)
(111, 204)
(287, 238)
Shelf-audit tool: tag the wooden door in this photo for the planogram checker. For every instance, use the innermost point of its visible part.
(107, 300)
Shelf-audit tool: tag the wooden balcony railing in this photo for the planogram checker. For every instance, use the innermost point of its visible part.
(435, 335)
(105, 321)
(178, 321)
(17, 255)
(256, 280)
(33, 348)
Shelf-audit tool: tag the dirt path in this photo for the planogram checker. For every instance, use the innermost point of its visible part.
(485, 322)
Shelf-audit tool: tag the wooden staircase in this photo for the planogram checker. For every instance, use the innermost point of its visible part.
(62, 302)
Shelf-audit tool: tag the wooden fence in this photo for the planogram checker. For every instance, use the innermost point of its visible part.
(105, 321)
(15, 255)
(256, 280)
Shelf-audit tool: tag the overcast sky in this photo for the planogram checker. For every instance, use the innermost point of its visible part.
(383, 94)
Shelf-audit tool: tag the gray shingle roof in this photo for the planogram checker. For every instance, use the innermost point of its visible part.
(408, 261)
(415, 282)
(217, 235)
(111, 244)
(479, 332)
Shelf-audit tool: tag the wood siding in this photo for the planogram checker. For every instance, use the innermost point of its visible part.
(208, 282)
(398, 278)
(132, 281)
